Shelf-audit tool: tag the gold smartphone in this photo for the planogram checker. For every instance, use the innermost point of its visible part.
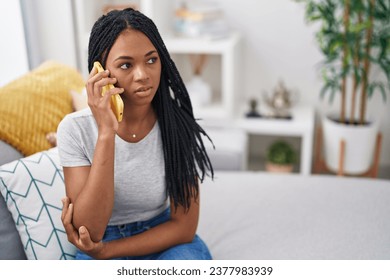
(116, 101)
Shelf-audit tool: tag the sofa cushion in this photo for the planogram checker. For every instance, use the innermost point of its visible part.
(34, 104)
(32, 188)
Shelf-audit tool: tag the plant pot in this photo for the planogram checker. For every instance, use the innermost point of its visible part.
(279, 168)
(359, 145)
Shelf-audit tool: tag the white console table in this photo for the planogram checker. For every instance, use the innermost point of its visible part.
(300, 125)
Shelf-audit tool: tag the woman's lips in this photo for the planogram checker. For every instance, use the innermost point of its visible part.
(144, 91)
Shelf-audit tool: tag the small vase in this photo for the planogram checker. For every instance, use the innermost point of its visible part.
(199, 91)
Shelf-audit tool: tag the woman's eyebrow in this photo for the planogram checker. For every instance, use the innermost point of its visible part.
(131, 58)
(150, 53)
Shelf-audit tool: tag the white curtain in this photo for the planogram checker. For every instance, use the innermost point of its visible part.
(13, 49)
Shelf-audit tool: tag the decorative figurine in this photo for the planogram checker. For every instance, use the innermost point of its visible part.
(280, 101)
(199, 90)
(253, 113)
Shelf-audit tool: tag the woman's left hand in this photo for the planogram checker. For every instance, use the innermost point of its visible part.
(80, 238)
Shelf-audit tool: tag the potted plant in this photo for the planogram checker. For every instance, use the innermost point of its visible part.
(281, 157)
(354, 39)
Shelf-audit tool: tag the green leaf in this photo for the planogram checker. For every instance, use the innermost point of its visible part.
(371, 89)
(332, 41)
(332, 93)
(358, 27)
(324, 89)
(281, 152)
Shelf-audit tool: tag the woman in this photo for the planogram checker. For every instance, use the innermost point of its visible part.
(133, 186)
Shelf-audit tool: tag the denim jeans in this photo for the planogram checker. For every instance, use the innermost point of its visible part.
(196, 250)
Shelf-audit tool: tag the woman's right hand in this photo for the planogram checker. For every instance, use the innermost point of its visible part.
(100, 105)
(80, 238)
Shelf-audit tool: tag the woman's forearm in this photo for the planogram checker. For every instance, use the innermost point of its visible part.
(93, 206)
(155, 240)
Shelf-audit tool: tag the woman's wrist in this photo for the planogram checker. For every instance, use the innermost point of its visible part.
(106, 135)
(104, 252)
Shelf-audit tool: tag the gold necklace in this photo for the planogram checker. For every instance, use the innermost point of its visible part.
(133, 135)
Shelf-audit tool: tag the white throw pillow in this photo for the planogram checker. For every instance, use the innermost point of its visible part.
(32, 188)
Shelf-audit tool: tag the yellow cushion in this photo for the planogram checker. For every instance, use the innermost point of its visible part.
(34, 104)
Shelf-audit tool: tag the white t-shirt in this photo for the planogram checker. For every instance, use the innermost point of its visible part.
(139, 168)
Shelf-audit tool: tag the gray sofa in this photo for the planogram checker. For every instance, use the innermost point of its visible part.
(260, 216)
(243, 215)
(10, 244)
(8, 153)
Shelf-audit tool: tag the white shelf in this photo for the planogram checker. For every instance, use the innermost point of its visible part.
(301, 125)
(302, 121)
(180, 45)
(228, 50)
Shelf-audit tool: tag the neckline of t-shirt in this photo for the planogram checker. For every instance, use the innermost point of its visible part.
(143, 139)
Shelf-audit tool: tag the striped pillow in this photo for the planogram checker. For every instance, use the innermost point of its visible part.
(32, 188)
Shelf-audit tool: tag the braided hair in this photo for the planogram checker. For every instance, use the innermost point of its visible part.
(185, 156)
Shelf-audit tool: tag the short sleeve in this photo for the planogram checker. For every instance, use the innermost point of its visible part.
(70, 144)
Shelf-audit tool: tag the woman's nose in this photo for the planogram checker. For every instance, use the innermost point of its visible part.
(140, 73)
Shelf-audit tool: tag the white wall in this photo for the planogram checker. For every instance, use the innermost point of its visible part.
(278, 44)
(13, 52)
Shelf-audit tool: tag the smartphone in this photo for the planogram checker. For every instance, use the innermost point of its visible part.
(116, 101)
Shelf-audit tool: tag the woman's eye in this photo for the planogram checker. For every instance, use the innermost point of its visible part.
(152, 60)
(125, 66)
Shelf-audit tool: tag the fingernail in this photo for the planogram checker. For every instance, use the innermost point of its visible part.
(82, 229)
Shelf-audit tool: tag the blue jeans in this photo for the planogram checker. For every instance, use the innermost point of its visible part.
(196, 250)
